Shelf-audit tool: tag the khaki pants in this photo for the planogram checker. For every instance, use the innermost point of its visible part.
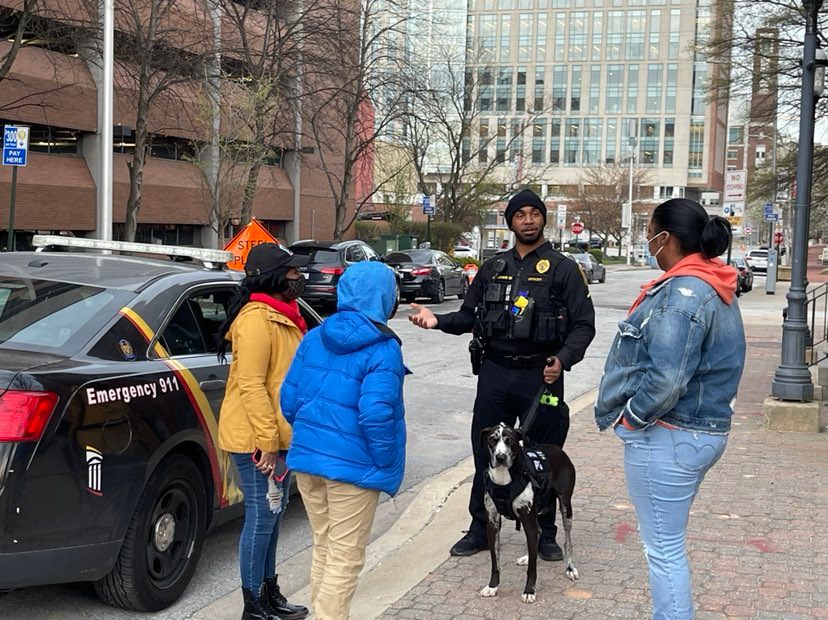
(341, 516)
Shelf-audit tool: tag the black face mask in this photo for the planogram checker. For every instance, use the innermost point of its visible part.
(293, 288)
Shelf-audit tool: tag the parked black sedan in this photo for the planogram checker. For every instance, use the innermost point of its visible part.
(328, 261)
(429, 273)
(745, 275)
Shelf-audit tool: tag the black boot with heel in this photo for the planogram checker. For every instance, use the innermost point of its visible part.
(272, 596)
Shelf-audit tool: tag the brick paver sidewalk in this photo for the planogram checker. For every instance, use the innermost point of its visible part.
(757, 532)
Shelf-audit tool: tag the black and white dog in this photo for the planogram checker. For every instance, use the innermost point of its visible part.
(522, 482)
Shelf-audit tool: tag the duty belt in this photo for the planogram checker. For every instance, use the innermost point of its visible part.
(518, 361)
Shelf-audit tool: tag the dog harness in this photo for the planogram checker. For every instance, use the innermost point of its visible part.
(535, 470)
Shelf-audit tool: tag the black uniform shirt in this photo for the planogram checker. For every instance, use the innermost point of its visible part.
(568, 283)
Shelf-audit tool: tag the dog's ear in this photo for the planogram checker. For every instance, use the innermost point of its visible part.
(484, 439)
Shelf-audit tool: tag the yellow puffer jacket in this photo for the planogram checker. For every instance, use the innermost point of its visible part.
(264, 343)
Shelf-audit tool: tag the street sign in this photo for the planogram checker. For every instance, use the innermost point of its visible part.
(428, 208)
(561, 216)
(240, 245)
(748, 230)
(577, 228)
(15, 145)
(778, 238)
(735, 186)
(771, 217)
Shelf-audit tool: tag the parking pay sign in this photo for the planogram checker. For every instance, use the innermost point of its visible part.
(15, 145)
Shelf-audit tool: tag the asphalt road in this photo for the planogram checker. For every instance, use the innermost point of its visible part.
(439, 398)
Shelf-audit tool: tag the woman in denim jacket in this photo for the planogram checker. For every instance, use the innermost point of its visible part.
(669, 384)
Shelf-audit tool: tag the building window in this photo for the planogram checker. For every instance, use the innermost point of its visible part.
(486, 81)
(577, 35)
(669, 136)
(670, 100)
(168, 147)
(488, 35)
(465, 152)
(540, 38)
(594, 89)
(673, 41)
(615, 34)
(699, 81)
(592, 141)
(635, 35)
(655, 35)
(695, 161)
(165, 234)
(611, 141)
(500, 144)
(538, 141)
(505, 38)
(732, 153)
(504, 89)
(654, 73)
(520, 100)
(560, 37)
(736, 135)
(525, 37)
(575, 92)
(539, 89)
(572, 142)
(517, 141)
(597, 34)
(632, 89)
(615, 86)
(123, 140)
(760, 155)
(559, 88)
(650, 134)
(483, 142)
(555, 143)
(54, 140)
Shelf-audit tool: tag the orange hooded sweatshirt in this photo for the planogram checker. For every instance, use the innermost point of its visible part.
(721, 277)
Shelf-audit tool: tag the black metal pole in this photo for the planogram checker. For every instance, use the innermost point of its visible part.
(10, 239)
(792, 380)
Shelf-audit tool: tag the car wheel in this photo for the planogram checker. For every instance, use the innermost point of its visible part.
(464, 289)
(603, 278)
(163, 541)
(440, 295)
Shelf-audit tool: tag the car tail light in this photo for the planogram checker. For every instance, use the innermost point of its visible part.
(333, 271)
(421, 271)
(24, 415)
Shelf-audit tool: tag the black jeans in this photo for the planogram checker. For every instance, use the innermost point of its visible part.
(504, 395)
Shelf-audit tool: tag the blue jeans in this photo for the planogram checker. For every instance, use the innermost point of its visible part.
(257, 544)
(664, 469)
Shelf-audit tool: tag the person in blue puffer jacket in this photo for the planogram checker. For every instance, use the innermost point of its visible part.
(343, 397)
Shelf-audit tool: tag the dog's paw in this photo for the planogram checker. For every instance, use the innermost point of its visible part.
(528, 597)
(488, 592)
(522, 560)
(572, 572)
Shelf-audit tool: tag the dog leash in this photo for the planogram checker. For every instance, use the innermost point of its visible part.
(543, 397)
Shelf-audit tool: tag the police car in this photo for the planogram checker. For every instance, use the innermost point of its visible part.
(109, 394)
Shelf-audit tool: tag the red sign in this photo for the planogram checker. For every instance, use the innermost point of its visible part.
(778, 238)
(577, 228)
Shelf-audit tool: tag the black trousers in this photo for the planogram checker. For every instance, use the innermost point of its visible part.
(504, 395)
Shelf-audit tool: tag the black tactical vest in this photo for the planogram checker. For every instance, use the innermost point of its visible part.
(536, 471)
(520, 302)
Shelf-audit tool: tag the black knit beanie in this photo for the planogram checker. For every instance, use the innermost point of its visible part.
(524, 198)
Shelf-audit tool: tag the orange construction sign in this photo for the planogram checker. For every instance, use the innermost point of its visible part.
(252, 234)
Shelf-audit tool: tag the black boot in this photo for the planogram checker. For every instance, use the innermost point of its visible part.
(272, 596)
(253, 608)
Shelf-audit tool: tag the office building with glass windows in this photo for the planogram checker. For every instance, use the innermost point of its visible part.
(585, 74)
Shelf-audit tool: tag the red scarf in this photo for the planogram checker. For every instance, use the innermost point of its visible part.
(290, 309)
(721, 277)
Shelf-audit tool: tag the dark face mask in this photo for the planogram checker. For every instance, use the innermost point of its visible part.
(293, 288)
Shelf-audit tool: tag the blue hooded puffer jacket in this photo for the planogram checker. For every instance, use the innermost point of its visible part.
(343, 393)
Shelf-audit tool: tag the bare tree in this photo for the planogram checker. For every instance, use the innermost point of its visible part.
(457, 155)
(358, 95)
(601, 195)
(8, 17)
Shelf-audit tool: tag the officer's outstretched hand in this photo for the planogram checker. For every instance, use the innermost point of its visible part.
(423, 318)
(552, 372)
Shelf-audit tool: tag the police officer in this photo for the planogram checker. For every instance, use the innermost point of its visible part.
(529, 308)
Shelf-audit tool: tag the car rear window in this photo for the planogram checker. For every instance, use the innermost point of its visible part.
(319, 256)
(412, 256)
(56, 316)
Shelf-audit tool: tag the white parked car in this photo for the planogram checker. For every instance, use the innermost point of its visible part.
(823, 258)
(757, 260)
(464, 251)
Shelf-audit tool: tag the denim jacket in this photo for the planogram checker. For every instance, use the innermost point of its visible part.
(677, 358)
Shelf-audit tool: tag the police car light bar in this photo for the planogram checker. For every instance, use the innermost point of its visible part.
(210, 258)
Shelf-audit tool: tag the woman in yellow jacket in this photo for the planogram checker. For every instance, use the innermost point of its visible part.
(264, 328)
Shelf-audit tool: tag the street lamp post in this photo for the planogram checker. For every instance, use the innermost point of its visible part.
(792, 380)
